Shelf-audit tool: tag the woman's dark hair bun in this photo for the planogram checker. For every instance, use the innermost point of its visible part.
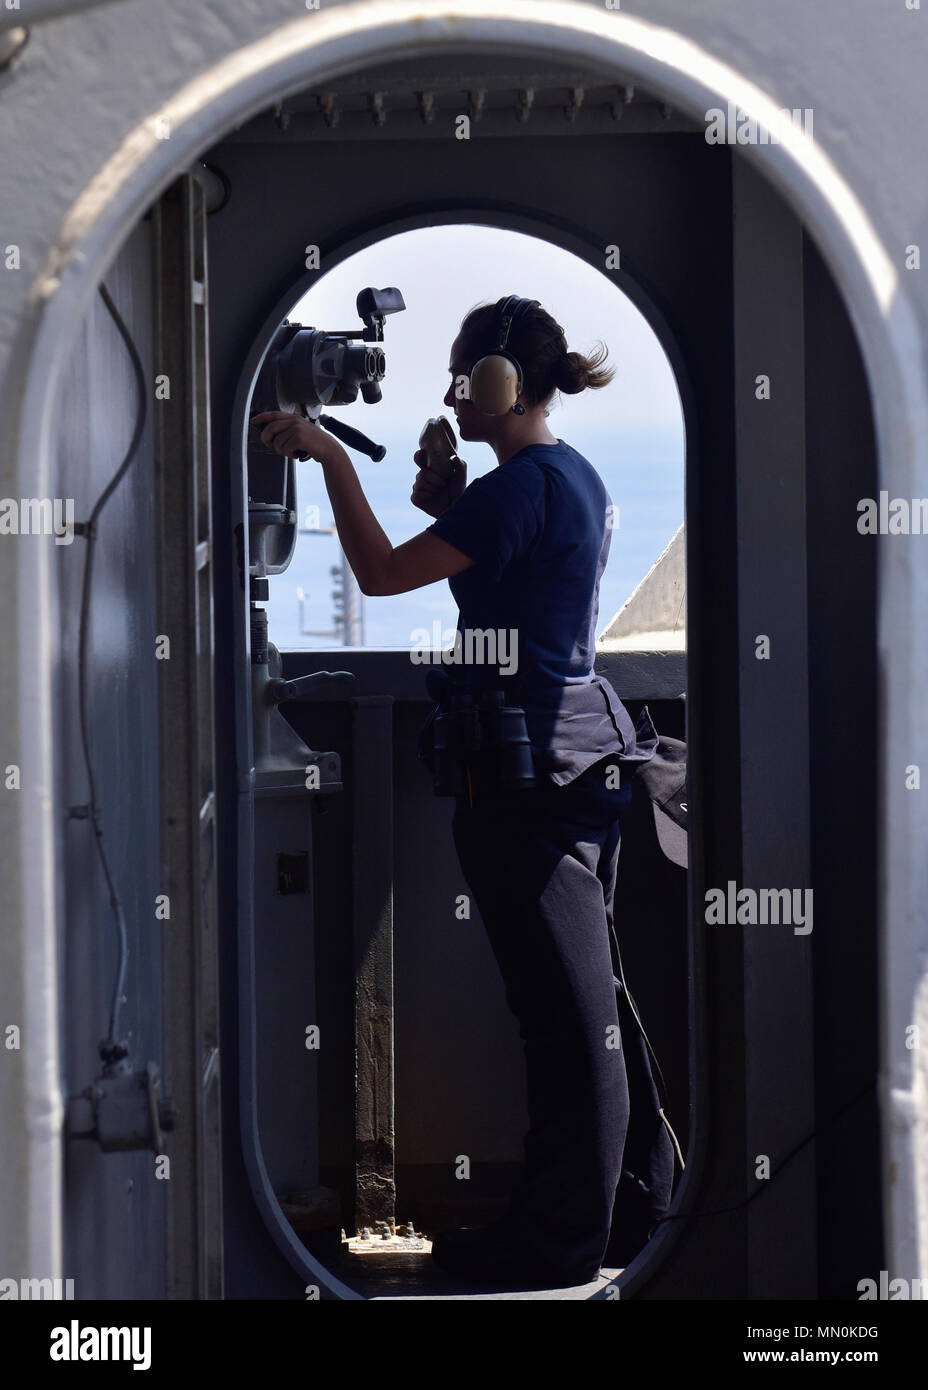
(578, 373)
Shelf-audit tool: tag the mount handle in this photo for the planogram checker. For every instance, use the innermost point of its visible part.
(279, 690)
(352, 437)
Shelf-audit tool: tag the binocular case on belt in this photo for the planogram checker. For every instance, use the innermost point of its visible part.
(475, 735)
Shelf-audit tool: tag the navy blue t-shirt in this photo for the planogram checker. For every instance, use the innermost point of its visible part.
(538, 530)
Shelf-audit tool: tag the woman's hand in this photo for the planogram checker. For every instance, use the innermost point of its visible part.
(290, 435)
(433, 494)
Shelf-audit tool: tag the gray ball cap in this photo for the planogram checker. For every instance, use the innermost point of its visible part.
(664, 777)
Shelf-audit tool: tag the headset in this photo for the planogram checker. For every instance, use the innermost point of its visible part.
(496, 380)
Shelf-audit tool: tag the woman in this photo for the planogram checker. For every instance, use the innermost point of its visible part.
(524, 548)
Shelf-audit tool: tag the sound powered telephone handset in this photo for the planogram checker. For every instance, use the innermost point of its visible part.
(440, 446)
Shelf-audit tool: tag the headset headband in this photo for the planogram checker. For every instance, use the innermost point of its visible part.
(507, 311)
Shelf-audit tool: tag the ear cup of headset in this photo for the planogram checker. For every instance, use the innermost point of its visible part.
(495, 383)
(496, 380)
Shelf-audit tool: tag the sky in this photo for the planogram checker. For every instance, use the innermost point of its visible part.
(631, 431)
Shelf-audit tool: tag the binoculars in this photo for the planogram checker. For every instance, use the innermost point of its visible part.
(480, 744)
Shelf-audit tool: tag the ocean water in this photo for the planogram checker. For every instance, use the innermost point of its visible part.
(643, 471)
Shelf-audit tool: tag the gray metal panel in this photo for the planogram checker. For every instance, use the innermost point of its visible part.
(771, 499)
(843, 713)
(286, 998)
(115, 1206)
(187, 799)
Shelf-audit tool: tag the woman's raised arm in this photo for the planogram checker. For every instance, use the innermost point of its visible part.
(379, 567)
